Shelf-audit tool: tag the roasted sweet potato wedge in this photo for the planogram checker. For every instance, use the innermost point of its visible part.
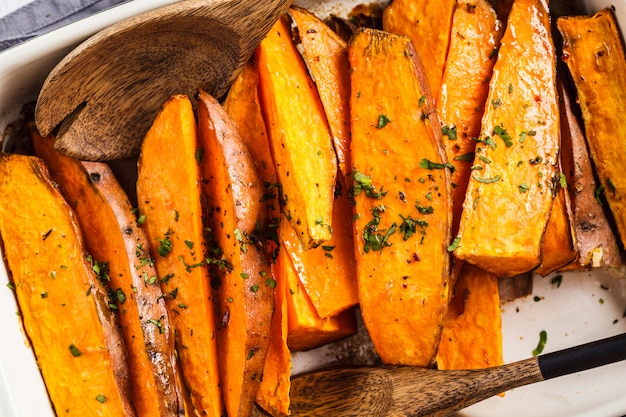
(515, 171)
(307, 330)
(594, 53)
(596, 240)
(472, 336)
(243, 106)
(302, 148)
(401, 190)
(64, 309)
(169, 202)
(326, 56)
(328, 272)
(237, 219)
(119, 248)
(427, 23)
(475, 39)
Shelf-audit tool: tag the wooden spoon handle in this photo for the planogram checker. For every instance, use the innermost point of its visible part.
(409, 391)
(583, 357)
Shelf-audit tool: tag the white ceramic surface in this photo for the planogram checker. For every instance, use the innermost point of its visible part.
(586, 306)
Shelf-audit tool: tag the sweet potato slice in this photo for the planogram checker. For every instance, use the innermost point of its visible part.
(472, 336)
(326, 56)
(328, 272)
(509, 197)
(594, 53)
(237, 218)
(243, 106)
(428, 24)
(273, 394)
(559, 247)
(596, 240)
(307, 330)
(402, 199)
(475, 39)
(302, 148)
(65, 312)
(108, 224)
(168, 194)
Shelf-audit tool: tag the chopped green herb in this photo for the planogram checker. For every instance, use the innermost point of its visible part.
(466, 157)
(254, 288)
(543, 338)
(382, 121)
(427, 164)
(270, 282)
(557, 280)
(244, 275)
(362, 182)
(101, 398)
(189, 244)
(165, 245)
(598, 195)
(484, 159)
(408, 227)
(487, 180)
(562, 180)
(74, 351)
(141, 219)
(523, 187)
(455, 244)
(422, 100)
(611, 185)
(508, 141)
(497, 102)
(448, 131)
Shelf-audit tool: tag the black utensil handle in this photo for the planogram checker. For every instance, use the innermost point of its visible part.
(583, 357)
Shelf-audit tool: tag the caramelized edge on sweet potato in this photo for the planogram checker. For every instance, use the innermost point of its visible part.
(401, 188)
(169, 196)
(120, 248)
(65, 310)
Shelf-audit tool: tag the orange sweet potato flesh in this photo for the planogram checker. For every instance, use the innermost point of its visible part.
(307, 330)
(244, 109)
(475, 39)
(472, 336)
(302, 148)
(326, 55)
(427, 23)
(169, 196)
(510, 194)
(328, 272)
(596, 240)
(594, 53)
(559, 247)
(402, 199)
(64, 308)
(237, 217)
(108, 224)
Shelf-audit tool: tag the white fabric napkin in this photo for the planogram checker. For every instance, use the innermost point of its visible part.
(41, 16)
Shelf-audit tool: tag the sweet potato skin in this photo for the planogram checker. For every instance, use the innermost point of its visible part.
(596, 241)
(402, 211)
(237, 217)
(515, 166)
(64, 309)
(243, 106)
(594, 53)
(304, 158)
(169, 199)
(108, 224)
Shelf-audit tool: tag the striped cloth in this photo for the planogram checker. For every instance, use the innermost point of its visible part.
(41, 16)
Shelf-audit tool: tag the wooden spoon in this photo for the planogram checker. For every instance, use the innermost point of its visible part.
(105, 94)
(410, 391)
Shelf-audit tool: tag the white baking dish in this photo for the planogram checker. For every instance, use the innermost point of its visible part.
(587, 306)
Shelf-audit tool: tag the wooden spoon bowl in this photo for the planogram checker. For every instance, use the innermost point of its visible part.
(104, 95)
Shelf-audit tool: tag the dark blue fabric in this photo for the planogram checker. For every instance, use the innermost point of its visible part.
(41, 16)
